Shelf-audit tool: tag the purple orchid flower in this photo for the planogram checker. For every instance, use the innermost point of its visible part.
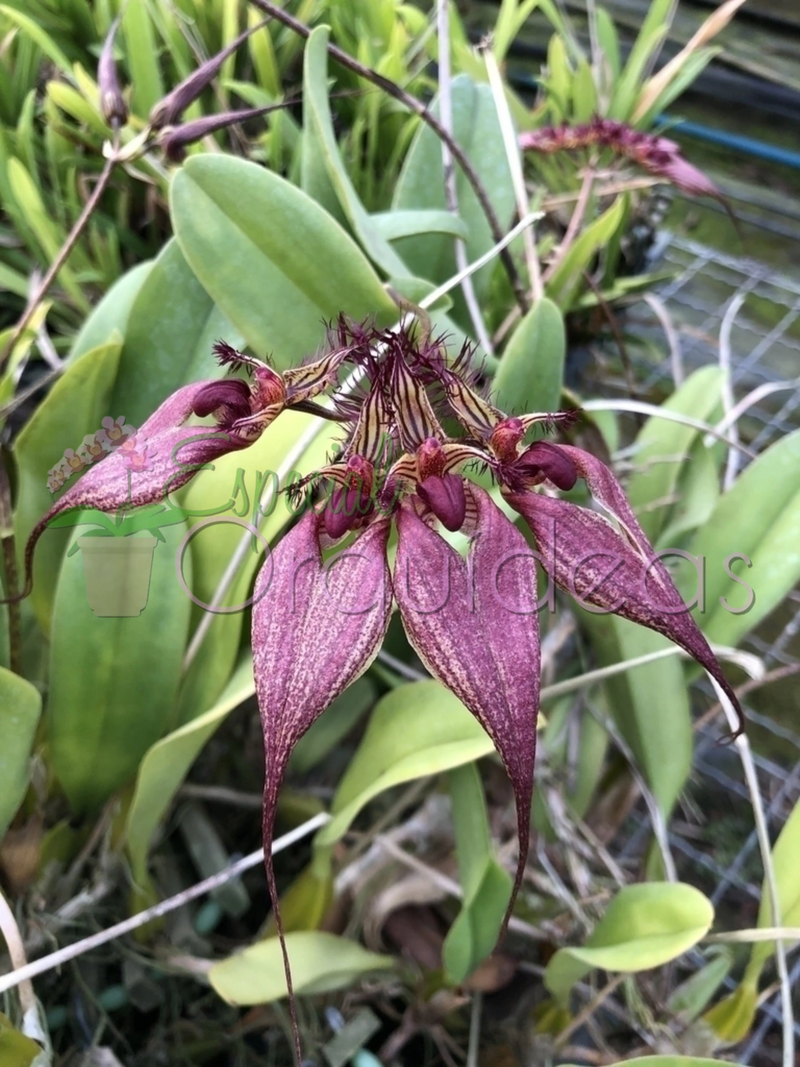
(657, 155)
(320, 616)
(319, 622)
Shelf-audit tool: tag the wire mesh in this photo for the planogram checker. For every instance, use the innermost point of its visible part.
(765, 348)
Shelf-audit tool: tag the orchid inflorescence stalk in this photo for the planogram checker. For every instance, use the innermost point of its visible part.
(416, 428)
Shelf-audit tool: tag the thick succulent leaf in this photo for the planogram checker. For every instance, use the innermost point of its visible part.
(603, 568)
(316, 627)
(474, 624)
(175, 452)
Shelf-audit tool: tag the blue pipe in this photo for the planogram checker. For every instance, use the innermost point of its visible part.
(748, 145)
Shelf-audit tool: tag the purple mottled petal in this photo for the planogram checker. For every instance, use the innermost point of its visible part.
(112, 102)
(175, 453)
(174, 139)
(446, 498)
(474, 624)
(620, 575)
(172, 106)
(316, 628)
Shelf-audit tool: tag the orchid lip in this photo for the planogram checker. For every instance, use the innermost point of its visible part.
(445, 497)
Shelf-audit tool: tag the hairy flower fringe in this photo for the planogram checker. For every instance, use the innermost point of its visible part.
(657, 155)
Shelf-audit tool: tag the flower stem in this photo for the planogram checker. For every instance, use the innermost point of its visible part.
(63, 254)
(10, 562)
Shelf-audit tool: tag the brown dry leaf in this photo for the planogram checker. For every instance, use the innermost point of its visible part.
(407, 890)
(500, 1056)
(715, 22)
(417, 934)
(19, 854)
(492, 974)
(613, 807)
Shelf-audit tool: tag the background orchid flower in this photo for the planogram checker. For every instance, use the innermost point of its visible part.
(657, 155)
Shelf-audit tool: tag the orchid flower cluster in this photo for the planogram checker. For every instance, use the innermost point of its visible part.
(416, 429)
(657, 155)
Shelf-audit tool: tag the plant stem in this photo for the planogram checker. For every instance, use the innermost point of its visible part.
(574, 223)
(588, 1010)
(762, 833)
(10, 562)
(16, 950)
(415, 105)
(63, 253)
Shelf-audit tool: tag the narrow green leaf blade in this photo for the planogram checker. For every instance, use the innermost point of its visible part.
(487, 886)
(74, 407)
(661, 449)
(319, 137)
(421, 185)
(757, 518)
(166, 763)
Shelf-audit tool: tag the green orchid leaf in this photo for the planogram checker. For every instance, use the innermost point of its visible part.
(649, 704)
(476, 128)
(20, 709)
(142, 56)
(662, 449)
(531, 372)
(749, 546)
(240, 479)
(417, 730)
(274, 262)
(394, 225)
(171, 329)
(486, 885)
(320, 963)
(113, 680)
(644, 926)
(787, 880)
(166, 764)
(18, 1050)
(73, 409)
(319, 143)
(110, 317)
(567, 279)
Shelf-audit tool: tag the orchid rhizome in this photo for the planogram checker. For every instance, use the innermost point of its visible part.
(324, 597)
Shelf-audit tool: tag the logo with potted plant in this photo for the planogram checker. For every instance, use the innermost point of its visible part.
(118, 554)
